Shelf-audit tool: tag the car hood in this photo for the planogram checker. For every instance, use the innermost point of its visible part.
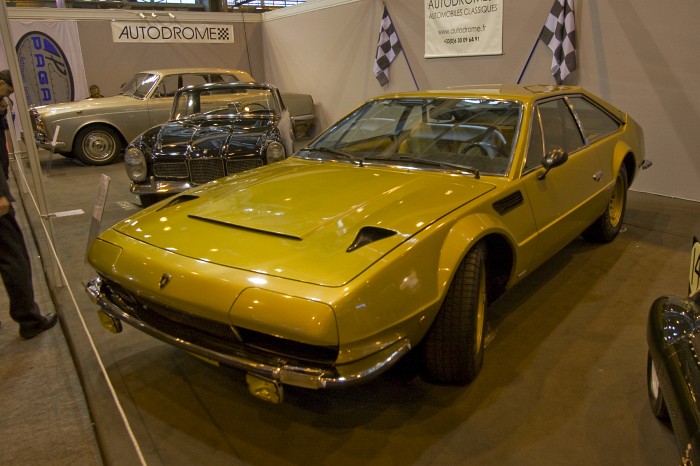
(316, 222)
(206, 138)
(88, 105)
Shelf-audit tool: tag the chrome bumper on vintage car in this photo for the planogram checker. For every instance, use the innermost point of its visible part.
(264, 374)
(160, 187)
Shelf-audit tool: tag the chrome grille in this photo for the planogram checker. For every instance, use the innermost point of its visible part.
(206, 170)
(215, 335)
(170, 170)
(237, 166)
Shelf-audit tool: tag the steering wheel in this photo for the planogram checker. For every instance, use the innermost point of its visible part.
(496, 145)
(250, 106)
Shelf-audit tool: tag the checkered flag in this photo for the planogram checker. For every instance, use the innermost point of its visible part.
(559, 33)
(388, 47)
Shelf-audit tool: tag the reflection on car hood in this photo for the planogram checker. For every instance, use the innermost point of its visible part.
(205, 138)
(297, 218)
(90, 105)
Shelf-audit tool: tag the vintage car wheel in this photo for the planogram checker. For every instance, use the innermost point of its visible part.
(453, 349)
(608, 225)
(656, 399)
(98, 145)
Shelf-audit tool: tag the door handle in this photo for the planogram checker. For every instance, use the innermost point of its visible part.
(598, 175)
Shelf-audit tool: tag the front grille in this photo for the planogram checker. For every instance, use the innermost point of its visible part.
(216, 335)
(170, 170)
(237, 166)
(206, 170)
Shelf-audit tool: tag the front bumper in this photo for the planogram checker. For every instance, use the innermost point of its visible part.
(274, 369)
(160, 187)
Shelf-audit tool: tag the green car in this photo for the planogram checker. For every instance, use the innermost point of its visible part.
(392, 231)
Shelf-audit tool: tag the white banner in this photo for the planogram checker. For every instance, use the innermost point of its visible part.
(458, 28)
(171, 32)
(50, 61)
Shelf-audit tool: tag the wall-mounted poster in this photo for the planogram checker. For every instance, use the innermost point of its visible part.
(459, 28)
(142, 32)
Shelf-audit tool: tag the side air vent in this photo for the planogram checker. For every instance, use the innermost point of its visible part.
(508, 203)
(369, 235)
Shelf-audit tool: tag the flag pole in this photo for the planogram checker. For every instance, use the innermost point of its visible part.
(529, 58)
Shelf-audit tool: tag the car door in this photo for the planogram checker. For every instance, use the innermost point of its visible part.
(565, 200)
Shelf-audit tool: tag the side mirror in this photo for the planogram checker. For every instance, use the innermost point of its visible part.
(554, 158)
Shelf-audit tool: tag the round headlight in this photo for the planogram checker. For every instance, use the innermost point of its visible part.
(135, 163)
(275, 152)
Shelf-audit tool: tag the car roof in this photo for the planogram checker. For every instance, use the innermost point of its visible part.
(242, 75)
(524, 93)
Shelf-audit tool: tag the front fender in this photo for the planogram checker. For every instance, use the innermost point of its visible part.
(463, 235)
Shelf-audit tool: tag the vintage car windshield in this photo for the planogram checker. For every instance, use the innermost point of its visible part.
(425, 133)
(225, 101)
(139, 85)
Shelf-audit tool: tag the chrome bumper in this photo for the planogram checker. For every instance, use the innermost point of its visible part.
(160, 187)
(272, 369)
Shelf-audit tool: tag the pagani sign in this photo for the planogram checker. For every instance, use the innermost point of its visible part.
(140, 32)
(46, 72)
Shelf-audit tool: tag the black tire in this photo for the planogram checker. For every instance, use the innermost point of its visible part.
(453, 349)
(98, 145)
(608, 225)
(656, 399)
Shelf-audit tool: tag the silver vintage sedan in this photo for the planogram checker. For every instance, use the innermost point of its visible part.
(97, 130)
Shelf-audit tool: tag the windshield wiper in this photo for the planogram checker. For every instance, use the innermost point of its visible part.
(329, 150)
(431, 163)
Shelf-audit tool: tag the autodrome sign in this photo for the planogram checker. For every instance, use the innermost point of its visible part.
(142, 32)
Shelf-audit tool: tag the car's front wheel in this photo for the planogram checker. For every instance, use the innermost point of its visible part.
(656, 399)
(98, 145)
(608, 225)
(453, 349)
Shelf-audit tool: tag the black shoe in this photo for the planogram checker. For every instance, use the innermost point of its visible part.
(48, 321)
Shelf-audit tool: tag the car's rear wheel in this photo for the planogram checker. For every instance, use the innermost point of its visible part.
(453, 349)
(656, 399)
(98, 145)
(608, 225)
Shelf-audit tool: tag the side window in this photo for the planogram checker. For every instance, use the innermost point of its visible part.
(193, 79)
(167, 86)
(222, 78)
(535, 148)
(559, 126)
(595, 122)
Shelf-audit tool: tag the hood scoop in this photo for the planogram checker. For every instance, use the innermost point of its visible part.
(179, 200)
(241, 227)
(368, 235)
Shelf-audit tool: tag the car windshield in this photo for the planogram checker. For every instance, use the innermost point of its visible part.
(225, 101)
(139, 85)
(472, 134)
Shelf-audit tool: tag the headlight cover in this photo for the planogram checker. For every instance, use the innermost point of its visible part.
(274, 152)
(135, 163)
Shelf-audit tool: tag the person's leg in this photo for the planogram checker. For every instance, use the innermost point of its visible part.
(16, 272)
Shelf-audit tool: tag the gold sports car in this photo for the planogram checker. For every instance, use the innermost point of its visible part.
(391, 231)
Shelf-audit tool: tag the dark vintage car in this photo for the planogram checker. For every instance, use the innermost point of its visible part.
(97, 130)
(392, 231)
(673, 364)
(214, 130)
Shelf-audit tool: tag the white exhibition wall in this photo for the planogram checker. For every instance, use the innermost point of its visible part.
(636, 54)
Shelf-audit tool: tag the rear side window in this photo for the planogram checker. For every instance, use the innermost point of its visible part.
(559, 127)
(595, 122)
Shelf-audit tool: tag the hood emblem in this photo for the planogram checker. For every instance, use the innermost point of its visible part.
(164, 280)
